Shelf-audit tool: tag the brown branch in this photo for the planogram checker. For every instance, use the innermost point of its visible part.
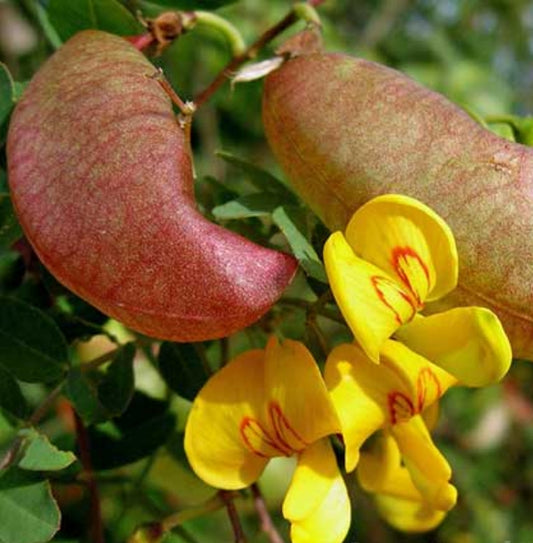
(95, 519)
(267, 526)
(250, 53)
(227, 498)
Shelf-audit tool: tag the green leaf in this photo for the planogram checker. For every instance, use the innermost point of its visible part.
(28, 512)
(7, 93)
(32, 347)
(71, 16)
(11, 397)
(116, 389)
(100, 396)
(251, 205)
(182, 369)
(40, 455)
(48, 29)
(504, 130)
(142, 429)
(260, 178)
(524, 130)
(286, 218)
(82, 390)
(521, 127)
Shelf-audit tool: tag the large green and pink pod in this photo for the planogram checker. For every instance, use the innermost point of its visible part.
(101, 179)
(346, 130)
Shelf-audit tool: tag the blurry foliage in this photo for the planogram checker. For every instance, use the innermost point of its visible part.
(476, 52)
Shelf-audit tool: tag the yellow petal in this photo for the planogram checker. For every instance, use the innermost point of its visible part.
(361, 413)
(368, 396)
(317, 502)
(408, 516)
(423, 382)
(380, 470)
(468, 342)
(407, 240)
(373, 303)
(221, 417)
(299, 405)
(431, 415)
(429, 470)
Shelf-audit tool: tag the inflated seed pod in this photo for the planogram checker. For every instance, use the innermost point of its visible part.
(346, 130)
(101, 179)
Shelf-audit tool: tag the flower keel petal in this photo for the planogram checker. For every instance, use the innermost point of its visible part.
(317, 502)
(407, 515)
(429, 470)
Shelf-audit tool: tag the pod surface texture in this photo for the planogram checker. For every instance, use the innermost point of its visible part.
(101, 179)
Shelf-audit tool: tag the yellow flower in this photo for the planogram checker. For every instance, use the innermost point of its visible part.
(264, 404)
(399, 502)
(395, 255)
(392, 396)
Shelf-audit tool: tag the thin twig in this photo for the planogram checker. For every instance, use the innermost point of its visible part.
(227, 498)
(96, 525)
(186, 108)
(250, 53)
(99, 361)
(267, 526)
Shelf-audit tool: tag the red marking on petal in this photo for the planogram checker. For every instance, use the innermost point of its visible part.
(426, 380)
(378, 282)
(281, 440)
(400, 262)
(285, 433)
(401, 408)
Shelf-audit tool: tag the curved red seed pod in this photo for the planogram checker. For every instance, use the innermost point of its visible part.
(101, 180)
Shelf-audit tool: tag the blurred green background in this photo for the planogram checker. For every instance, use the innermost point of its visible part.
(479, 54)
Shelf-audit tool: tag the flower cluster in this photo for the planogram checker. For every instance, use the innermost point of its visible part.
(395, 255)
